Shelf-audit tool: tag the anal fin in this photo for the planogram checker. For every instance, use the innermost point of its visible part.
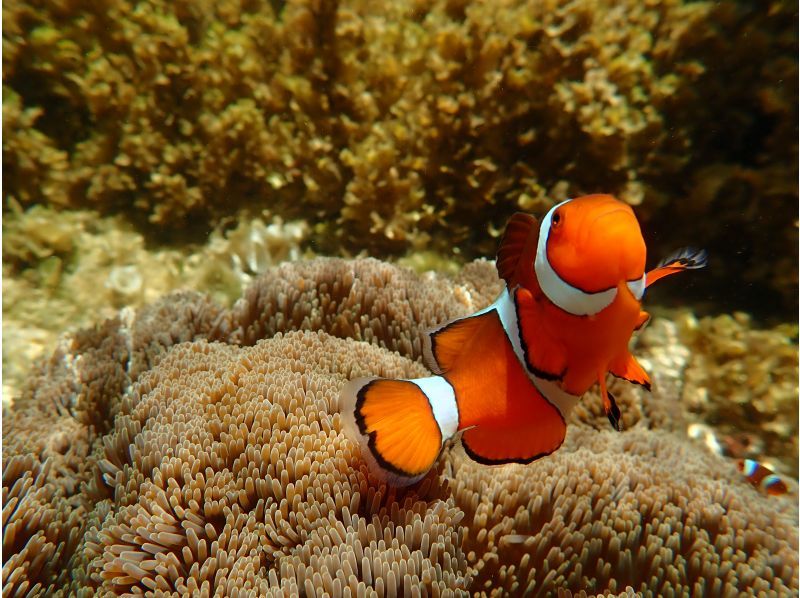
(524, 438)
(514, 423)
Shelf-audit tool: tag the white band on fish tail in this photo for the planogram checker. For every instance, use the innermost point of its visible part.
(560, 292)
(442, 399)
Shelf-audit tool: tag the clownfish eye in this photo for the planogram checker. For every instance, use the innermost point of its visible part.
(556, 219)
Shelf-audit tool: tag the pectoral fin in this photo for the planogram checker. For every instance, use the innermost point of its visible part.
(627, 368)
(687, 258)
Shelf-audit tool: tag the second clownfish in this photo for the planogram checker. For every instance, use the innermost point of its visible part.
(507, 377)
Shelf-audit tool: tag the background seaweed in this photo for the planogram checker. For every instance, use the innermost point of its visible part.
(416, 124)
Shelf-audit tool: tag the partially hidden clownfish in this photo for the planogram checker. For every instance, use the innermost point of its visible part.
(507, 377)
(762, 477)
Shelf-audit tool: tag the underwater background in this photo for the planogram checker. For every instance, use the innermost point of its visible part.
(254, 201)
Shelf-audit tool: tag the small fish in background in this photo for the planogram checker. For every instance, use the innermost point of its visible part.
(706, 434)
(507, 377)
(762, 477)
(742, 445)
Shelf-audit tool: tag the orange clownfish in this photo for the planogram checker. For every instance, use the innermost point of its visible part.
(507, 377)
(762, 477)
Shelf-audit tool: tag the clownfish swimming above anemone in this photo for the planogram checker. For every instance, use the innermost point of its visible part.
(507, 377)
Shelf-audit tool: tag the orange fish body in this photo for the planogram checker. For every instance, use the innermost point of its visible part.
(507, 377)
(593, 336)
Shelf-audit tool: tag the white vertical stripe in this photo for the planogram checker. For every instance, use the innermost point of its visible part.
(442, 399)
(637, 287)
(506, 310)
(560, 292)
(550, 390)
(508, 318)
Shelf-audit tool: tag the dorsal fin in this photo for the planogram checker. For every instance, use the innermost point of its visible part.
(522, 232)
(444, 345)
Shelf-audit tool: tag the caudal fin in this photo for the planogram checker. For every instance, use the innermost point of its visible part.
(400, 425)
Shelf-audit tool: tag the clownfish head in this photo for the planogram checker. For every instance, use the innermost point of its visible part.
(590, 249)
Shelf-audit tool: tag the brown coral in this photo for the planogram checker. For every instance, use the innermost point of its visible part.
(240, 464)
(224, 469)
(745, 381)
(40, 529)
(363, 299)
(641, 509)
(411, 124)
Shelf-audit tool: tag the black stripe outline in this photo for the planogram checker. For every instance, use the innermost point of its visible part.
(524, 365)
(522, 461)
(645, 385)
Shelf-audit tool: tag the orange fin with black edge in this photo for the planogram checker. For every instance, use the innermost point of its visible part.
(443, 346)
(533, 428)
(686, 258)
(627, 368)
(517, 248)
(610, 405)
(544, 356)
(394, 423)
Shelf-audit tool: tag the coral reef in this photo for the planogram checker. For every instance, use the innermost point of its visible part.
(744, 381)
(413, 124)
(187, 447)
(642, 509)
(63, 270)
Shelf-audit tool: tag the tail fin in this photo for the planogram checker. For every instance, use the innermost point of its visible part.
(400, 425)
